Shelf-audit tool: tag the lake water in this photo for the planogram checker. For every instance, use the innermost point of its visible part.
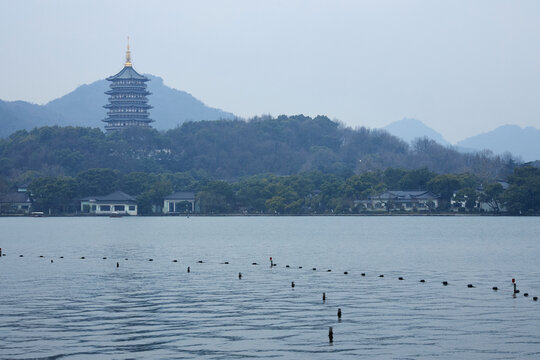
(89, 308)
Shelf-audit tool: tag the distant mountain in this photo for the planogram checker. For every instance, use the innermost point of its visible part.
(523, 142)
(410, 129)
(84, 107)
(18, 115)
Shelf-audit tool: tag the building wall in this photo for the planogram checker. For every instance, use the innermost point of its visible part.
(380, 205)
(177, 206)
(108, 208)
(13, 208)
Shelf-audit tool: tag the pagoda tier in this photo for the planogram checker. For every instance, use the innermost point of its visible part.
(128, 105)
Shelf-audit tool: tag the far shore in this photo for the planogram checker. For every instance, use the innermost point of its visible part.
(279, 215)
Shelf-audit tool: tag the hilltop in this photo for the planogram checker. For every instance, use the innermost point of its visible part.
(84, 107)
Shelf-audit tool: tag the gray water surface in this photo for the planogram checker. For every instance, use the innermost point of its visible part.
(89, 308)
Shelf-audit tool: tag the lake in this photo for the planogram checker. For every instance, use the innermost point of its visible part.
(90, 308)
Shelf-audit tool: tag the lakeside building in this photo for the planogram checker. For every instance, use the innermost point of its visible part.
(400, 200)
(116, 203)
(179, 203)
(128, 105)
(458, 204)
(18, 202)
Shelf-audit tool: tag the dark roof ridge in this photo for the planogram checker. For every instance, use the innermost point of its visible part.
(128, 72)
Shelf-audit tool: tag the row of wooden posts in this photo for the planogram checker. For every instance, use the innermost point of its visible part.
(339, 313)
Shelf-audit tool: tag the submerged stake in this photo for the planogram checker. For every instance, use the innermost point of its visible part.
(330, 334)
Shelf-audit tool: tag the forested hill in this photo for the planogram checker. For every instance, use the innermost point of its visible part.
(84, 107)
(235, 148)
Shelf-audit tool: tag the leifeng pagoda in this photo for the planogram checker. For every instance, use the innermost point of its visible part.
(128, 105)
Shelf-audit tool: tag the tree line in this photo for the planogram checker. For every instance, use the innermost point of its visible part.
(232, 149)
(312, 192)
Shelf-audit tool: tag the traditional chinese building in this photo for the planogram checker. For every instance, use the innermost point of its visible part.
(128, 105)
(118, 203)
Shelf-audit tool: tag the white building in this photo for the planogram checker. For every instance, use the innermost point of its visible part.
(179, 203)
(117, 203)
(400, 200)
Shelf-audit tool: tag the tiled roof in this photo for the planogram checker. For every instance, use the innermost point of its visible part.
(128, 72)
(15, 197)
(118, 196)
(187, 196)
(405, 195)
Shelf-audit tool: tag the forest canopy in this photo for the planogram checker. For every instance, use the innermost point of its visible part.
(231, 149)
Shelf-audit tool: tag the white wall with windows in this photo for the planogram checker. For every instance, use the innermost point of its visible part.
(108, 208)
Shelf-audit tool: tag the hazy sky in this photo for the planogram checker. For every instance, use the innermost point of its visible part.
(462, 67)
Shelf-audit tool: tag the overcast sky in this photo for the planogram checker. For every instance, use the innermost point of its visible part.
(461, 67)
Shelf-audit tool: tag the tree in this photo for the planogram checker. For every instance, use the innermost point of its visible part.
(416, 179)
(468, 196)
(523, 194)
(98, 181)
(493, 196)
(275, 205)
(55, 195)
(444, 185)
(216, 197)
(152, 200)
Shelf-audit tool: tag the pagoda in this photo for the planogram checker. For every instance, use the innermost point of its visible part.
(128, 105)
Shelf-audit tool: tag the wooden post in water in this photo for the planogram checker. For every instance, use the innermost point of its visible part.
(188, 269)
(339, 314)
(330, 335)
(239, 276)
(323, 297)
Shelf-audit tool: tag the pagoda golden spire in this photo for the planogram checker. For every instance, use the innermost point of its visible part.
(128, 55)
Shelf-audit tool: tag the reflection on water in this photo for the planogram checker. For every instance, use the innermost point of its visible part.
(155, 309)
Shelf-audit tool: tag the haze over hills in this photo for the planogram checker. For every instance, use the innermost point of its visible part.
(524, 142)
(521, 142)
(409, 129)
(84, 107)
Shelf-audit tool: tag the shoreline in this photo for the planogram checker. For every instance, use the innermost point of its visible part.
(282, 215)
